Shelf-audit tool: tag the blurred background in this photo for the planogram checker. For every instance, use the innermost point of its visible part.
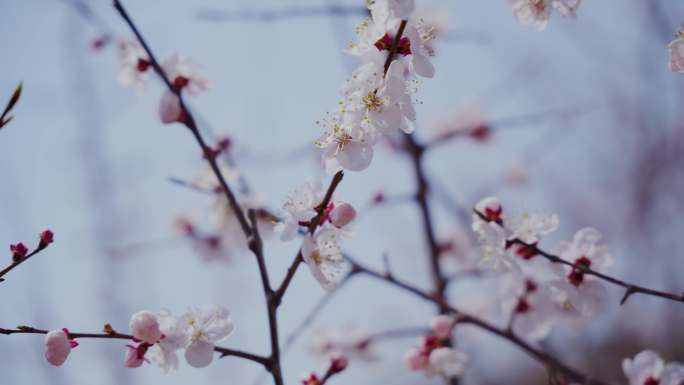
(583, 119)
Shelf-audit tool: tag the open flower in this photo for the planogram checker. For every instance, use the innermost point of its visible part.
(299, 207)
(528, 304)
(648, 368)
(175, 338)
(323, 256)
(58, 345)
(577, 291)
(134, 64)
(204, 326)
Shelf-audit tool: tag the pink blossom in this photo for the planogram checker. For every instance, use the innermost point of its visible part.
(342, 215)
(145, 326)
(57, 347)
(442, 325)
(170, 110)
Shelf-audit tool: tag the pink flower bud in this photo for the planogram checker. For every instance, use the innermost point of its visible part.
(145, 326)
(170, 110)
(490, 208)
(338, 364)
(442, 325)
(416, 360)
(57, 347)
(342, 214)
(46, 238)
(19, 251)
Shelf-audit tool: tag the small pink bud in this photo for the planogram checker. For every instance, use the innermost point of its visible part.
(442, 325)
(311, 379)
(46, 238)
(19, 251)
(338, 364)
(342, 214)
(170, 110)
(145, 326)
(57, 347)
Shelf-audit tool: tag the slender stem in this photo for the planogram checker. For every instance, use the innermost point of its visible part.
(225, 352)
(546, 359)
(630, 288)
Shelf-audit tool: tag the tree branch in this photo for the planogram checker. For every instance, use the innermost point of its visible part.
(225, 352)
(546, 359)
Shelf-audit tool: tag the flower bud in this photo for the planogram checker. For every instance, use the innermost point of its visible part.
(311, 379)
(135, 356)
(57, 347)
(145, 326)
(416, 360)
(46, 238)
(19, 251)
(170, 110)
(342, 214)
(338, 364)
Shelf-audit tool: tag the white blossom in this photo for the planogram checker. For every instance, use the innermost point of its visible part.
(576, 291)
(299, 207)
(323, 256)
(204, 326)
(134, 64)
(446, 362)
(648, 368)
(175, 338)
(183, 75)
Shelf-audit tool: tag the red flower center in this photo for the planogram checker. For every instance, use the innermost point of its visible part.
(143, 65)
(522, 306)
(651, 381)
(385, 44)
(576, 276)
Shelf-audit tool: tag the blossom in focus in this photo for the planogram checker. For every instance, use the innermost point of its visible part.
(323, 256)
(205, 326)
(145, 326)
(676, 49)
(58, 345)
(175, 338)
(299, 207)
(576, 291)
(648, 368)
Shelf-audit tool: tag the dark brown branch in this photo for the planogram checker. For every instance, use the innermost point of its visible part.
(189, 122)
(546, 359)
(630, 288)
(225, 352)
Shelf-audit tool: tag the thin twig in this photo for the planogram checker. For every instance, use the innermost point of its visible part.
(462, 318)
(20, 261)
(630, 288)
(225, 352)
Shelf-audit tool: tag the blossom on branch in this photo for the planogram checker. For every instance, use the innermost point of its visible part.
(648, 368)
(58, 345)
(322, 254)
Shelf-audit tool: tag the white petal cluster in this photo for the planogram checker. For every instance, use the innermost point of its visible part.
(377, 99)
(536, 292)
(648, 368)
(536, 13)
(195, 331)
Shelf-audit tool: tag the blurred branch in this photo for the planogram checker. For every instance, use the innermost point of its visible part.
(630, 289)
(550, 362)
(10, 105)
(269, 16)
(225, 352)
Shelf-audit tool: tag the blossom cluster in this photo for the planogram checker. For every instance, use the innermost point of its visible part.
(135, 66)
(434, 355)
(535, 290)
(158, 336)
(320, 248)
(537, 12)
(377, 100)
